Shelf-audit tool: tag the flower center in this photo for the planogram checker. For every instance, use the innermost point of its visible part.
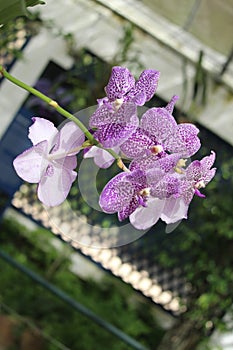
(179, 168)
(156, 149)
(143, 196)
(117, 103)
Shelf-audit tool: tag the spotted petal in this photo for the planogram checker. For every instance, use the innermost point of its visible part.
(116, 194)
(124, 122)
(145, 87)
(184, 140)
(170, 106)
(137, 144)
(158, 122)
(120, 82)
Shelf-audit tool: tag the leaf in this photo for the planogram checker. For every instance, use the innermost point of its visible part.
(11, 9)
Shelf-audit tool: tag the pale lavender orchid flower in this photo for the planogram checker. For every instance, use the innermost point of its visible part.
(51, 161)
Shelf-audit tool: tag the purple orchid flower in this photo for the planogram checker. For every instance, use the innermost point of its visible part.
(159, 135)
(51, 160)
(130, 190)
(182, 187)
(114, 125)
(123, 87)
(124, 193)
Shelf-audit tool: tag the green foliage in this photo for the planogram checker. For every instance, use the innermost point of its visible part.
(12, 9)
(111, 299)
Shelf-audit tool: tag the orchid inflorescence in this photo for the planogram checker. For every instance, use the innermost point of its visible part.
(157, 184)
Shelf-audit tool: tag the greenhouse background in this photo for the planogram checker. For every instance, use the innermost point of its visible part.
(159, 291)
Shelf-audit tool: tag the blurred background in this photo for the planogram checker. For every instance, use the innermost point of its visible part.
(163, 290)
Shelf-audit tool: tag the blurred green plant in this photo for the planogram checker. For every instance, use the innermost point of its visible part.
(110, 299)
(12, 9)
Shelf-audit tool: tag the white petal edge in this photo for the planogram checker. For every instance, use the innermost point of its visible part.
(42, 129)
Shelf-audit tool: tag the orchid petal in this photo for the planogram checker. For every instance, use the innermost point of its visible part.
(175, 209)
(137, 144)
(102, 158)
(116, 194)
(70, 137)
(208, 161)
(30, 164)
(145, 87)
(170, 106)
(145, 217)
(120, 82)
(55, 184)
(42, 129)
(158, 122)
(184, 140)
(112, 135)
(106, 115)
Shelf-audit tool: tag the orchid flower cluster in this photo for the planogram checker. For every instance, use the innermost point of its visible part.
(156, 184)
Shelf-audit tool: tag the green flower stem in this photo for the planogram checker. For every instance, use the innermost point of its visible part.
(60, 110)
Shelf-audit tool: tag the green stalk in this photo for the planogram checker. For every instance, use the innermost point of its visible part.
(60, 110)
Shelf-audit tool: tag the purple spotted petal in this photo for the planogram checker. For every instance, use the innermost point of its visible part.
(146, 84)
(103, 115)
(116, 194)
(195, 171)
(158, 122)
(200, 170)
(184, 140)
(209, 176)
(30, 164)
(143, 163)
(106, 115)
(124, 122)
(122, 194)
(42, 129)
(163, 185)
(139, 99)
(120, 82)
(128, 209)
(112, 135)
(170, 106)
(207, 162)
(137, 144)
